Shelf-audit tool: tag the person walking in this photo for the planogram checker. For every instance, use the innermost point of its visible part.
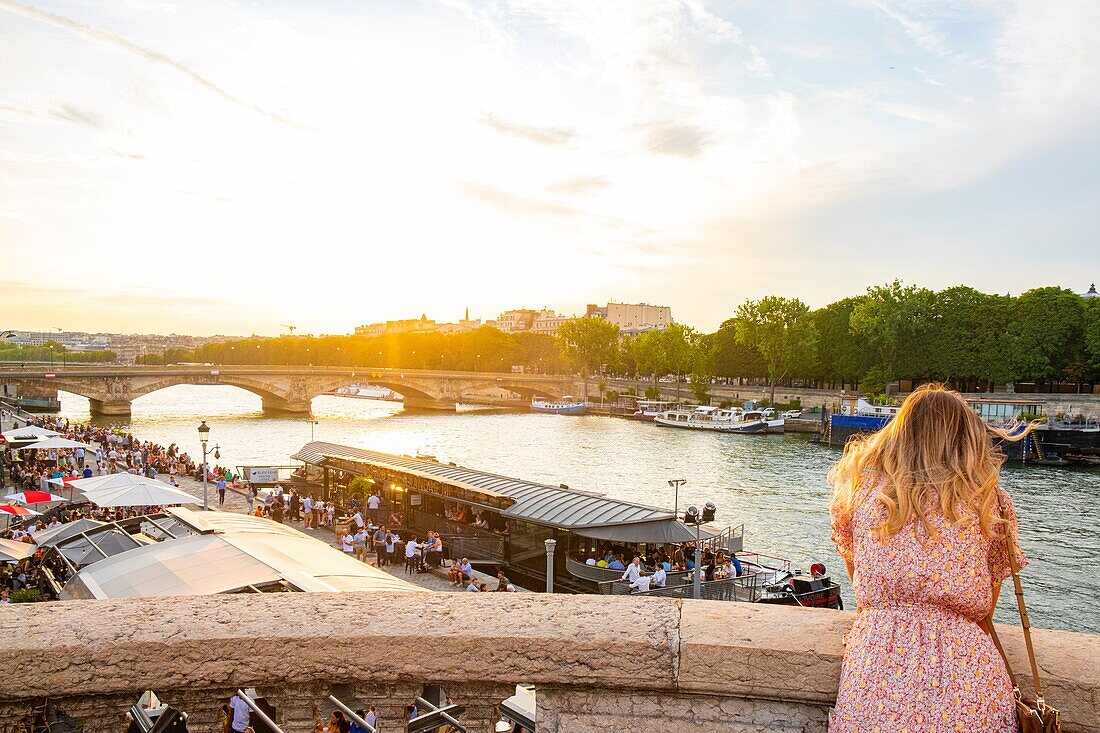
(925, 531)
(221, 490)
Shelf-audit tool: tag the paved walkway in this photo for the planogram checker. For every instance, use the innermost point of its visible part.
(235, 502)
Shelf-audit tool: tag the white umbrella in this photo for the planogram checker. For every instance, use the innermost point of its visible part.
(34, 497)
(151, 493)
(12, 551)
(51, 443)
(112, 481)
(29, 432)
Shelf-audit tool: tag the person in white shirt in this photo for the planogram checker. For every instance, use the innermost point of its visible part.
(472, 587)
(640, 584)
(633, 570)
(411, 548)
(307, 512)
(348, 543)
(657, 580)
(359, 519)
(240, 713)
(373, 504)
(371, 717)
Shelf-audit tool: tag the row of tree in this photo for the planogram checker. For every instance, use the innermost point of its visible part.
(892, 332)
(52, 351)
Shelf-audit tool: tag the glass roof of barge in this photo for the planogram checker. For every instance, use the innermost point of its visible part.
(533, 502)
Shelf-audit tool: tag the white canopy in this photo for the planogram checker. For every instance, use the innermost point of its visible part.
(229, 562)
(12, 551)
(54, 442)
(29, 432)
(149, 492)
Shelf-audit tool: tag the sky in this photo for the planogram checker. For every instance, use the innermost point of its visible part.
(230, 167)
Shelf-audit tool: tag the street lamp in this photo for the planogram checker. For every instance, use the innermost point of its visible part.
(694, 516)
(312, 424)
(676, 483)
(204, 436)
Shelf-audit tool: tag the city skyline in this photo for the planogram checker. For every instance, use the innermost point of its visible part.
(228, 169)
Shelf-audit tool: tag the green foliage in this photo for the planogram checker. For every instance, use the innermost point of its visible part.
(26, 595)
(360, 487)
(652, 393)
(54, 352)
(782, 331)
(896, 322)
(1049, 328)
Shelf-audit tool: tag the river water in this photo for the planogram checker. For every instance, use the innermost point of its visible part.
(775, 485)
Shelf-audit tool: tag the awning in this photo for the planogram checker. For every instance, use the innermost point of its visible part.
(650, 533)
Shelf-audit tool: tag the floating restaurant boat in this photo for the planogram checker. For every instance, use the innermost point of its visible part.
(1047, 444)
(565, 406)
(517, 517)
(725, 420)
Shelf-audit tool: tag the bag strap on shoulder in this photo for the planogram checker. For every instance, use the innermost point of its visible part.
(1025, 622)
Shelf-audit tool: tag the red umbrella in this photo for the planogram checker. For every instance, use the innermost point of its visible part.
(20, 511)
(34, 497)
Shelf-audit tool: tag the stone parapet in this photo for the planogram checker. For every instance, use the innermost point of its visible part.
(598, 663)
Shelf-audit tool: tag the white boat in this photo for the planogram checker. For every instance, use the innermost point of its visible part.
(726, 420)
(368, 392)
(565, 406)
(774, 424)
(649, 409)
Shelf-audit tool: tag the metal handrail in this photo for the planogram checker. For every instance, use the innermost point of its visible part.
(352, 714)
(259, 713)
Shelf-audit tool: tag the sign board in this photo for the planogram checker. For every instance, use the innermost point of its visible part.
(414, 499)
(48, 375)
(263, 475)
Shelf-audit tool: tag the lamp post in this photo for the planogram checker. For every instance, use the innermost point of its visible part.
(550, 545)
(676, 483)
(693, 516)
(312, 424)
(204, 436)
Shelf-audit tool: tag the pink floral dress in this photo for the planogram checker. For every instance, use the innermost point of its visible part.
(916, 658)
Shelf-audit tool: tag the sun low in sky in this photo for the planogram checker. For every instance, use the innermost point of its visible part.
(203, 167)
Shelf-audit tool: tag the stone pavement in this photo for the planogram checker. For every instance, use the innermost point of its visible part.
(235, 502)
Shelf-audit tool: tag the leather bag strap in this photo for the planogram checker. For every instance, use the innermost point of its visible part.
(1025, 622)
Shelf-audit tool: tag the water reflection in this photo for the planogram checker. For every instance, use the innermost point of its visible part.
(775, 485)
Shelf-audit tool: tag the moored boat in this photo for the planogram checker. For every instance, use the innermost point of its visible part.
(565, 406)
(726, 420)
(650, 409)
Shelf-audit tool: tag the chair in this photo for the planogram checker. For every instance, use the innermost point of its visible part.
(38, 718)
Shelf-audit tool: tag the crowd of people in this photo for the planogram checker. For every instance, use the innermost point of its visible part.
(645, 573)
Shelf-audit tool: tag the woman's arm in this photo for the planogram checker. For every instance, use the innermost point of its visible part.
(987, 623)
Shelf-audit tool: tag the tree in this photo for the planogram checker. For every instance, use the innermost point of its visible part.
(1050, 331)
(841, 355)
(1092, 339)
(678, 343)
(649, 355)
(587, 343)
(732, 358)
(702, 371)
(894, 321)
(782, 331)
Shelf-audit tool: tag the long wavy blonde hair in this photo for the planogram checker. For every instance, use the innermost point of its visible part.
(936, 452)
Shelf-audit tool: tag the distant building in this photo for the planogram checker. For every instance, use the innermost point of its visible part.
(418, 325)
(1091, 292)
(515, 321)
(548, 322)
(633, 318)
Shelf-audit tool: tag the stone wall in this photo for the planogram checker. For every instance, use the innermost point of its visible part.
(598, 663)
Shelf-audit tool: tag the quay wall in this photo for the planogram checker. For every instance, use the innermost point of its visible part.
(598, 663)
(1085, 404)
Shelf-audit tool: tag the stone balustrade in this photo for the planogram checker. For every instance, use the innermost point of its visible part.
(598, 663)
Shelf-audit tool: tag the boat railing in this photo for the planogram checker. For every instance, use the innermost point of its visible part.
(592, 573)
(476, 548)
(731, 539)
(745, 588)
(427, 521)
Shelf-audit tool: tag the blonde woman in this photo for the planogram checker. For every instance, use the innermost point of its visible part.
(916, 515)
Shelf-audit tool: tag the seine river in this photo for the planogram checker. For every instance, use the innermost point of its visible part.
(774, 485)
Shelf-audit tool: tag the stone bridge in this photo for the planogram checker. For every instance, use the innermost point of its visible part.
(598, 663)
(289, 389)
